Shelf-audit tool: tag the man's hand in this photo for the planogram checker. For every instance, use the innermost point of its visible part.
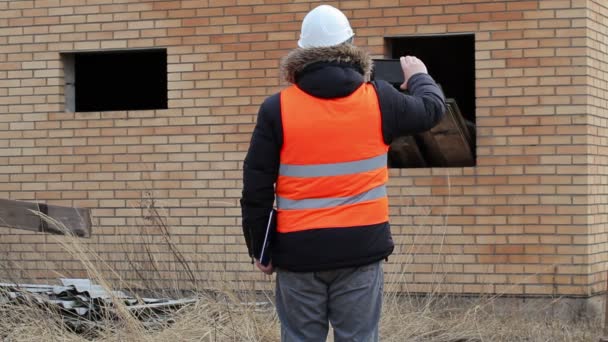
(410, 66)
(266, 269)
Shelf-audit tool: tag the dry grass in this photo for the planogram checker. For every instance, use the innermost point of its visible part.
(448, 319)
(225, 318)
(228, 315)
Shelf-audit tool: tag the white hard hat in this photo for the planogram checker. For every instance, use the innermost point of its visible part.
(324, 26)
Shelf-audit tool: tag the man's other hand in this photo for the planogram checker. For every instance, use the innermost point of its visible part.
(411, 66)
(266, 269)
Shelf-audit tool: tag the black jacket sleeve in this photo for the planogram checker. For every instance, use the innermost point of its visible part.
(260, 171)
(404, 114)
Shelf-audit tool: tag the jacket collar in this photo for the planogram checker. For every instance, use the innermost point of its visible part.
(327, 72)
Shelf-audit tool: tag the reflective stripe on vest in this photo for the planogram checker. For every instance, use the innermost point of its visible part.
(317, 203)
(333, 170)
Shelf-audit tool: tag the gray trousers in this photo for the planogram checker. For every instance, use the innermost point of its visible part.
(348, 298)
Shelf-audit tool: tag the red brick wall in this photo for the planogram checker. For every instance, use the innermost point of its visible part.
(528, 219)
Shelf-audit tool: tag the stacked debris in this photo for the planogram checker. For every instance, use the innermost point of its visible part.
(41, 217)
(84, 304)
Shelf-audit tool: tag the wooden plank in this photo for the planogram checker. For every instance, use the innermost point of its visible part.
(448, 144)
(404, 152)
(431, 150)
(19, 215)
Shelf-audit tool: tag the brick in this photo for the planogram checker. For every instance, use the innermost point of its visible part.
(507, 16)
(475, 17)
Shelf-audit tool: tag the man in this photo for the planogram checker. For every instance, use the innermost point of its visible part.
(321, 146)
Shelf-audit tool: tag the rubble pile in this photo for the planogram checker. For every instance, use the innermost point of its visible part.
(84, 305)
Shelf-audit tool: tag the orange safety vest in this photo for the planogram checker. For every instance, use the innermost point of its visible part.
(333, 170)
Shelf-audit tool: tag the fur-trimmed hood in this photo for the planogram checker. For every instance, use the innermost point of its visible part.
(298, 59)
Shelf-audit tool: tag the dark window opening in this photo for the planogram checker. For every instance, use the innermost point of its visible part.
(116, 80)
(450, 60)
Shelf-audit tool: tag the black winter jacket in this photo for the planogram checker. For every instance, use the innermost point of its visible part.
(327, 73)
